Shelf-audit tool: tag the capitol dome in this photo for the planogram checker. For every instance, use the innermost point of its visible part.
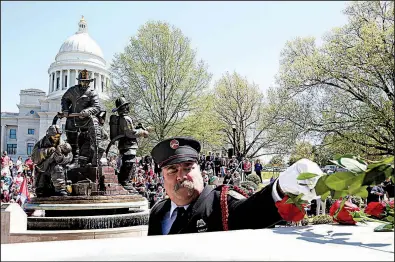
(77, 53)
(81, 42)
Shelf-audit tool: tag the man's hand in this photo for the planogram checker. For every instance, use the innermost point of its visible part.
(84, 113)
(288, 182)
(58, 149)
(51, 150)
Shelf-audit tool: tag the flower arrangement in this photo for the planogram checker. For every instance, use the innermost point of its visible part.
(341, 186)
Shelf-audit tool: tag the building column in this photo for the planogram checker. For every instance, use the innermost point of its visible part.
(54, 81)
(49, 83)
(3, 146)
(76, 76)
(68, 78)
(61, 80)
(99, 77)
(94, 81)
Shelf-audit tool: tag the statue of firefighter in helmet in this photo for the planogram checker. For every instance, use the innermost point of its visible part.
(122, 129)
(80, 105)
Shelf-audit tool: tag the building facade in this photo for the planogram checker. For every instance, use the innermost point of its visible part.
(20, 131)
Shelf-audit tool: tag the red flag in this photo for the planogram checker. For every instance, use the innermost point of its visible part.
(24, 192)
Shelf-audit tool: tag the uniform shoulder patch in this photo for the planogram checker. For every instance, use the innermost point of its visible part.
(235, 194)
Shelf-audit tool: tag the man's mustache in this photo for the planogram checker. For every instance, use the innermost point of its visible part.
(186, 183)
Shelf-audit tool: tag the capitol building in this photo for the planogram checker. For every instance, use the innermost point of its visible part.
(20, 131)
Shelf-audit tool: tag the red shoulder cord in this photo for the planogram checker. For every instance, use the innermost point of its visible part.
(240, 191)
(224, 204)
(224, 207)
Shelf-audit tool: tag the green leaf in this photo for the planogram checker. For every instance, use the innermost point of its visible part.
(339, 193)
(298, 198)
(325, 195)
(356, 184)
(353, 164)
(340, 180)
(377, 175)
(386, 161)
(384, 228)
(390, 219)
(304, 176)
(362, 192)
(321, 188)
(289, 201)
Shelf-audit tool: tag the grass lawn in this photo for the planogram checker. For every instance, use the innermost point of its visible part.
(268, 175)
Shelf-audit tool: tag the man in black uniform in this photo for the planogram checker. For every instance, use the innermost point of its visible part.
(127, 144)
(84, 100)
(193, 208)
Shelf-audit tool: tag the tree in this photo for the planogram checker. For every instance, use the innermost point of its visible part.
(301, 150)
(203, 124)
(276, 160)
(159, 74)
(345, 87)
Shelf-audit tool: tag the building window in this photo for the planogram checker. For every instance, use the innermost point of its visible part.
(57, 83)
(102, 86)
(11, 149)
(65, 81)
(12, 133)
(30, 131)
(94, 83)
(29, 148)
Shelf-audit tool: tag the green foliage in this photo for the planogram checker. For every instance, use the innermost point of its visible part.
(322, 219)
(276, 160)
(345, 87)
(246, 184)
(241, 103)
(203, 124)
(341, 184)
(254, 178)
(159, 73)
(305, 221)
(301, 150)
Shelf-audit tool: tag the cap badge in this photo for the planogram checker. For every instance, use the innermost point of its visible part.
(174, 144)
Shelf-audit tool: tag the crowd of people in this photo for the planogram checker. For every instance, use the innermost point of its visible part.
(13, 175)
(148, 181)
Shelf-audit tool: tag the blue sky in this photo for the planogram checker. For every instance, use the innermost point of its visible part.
(246, 37)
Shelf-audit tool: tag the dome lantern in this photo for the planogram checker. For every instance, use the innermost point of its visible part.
(82, 26)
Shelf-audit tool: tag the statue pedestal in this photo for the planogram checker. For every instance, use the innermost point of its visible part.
(95, 181)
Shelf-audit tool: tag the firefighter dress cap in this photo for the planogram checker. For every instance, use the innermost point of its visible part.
(176, 150)
(84, 76)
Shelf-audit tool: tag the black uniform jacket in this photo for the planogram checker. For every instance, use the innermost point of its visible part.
(205, 214)
(77, 98)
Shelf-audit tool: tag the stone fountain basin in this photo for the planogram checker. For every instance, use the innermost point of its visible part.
(86, 202)
(87, 212)
(130, 219)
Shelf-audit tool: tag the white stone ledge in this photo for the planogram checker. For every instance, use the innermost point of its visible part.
(322, 242)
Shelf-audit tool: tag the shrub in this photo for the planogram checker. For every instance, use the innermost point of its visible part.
(322, 219)
(305, 221)
(254, 178)
(247, 184)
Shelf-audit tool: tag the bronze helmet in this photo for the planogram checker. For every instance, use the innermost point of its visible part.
(84, 76)
(121, 101)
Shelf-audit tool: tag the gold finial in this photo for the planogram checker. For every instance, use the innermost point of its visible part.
(82, 18)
